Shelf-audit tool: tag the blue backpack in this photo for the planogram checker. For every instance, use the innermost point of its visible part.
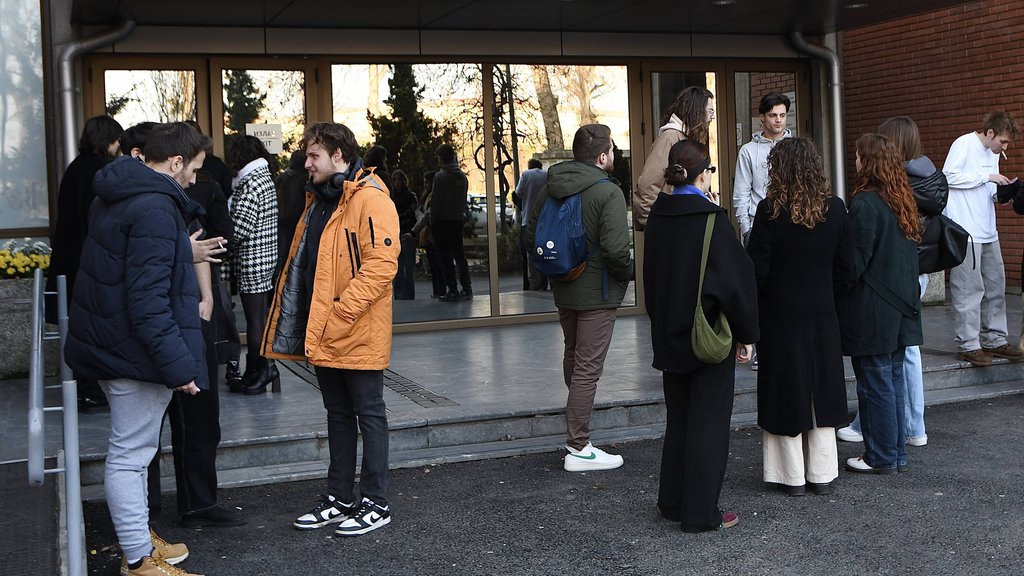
(560, 241)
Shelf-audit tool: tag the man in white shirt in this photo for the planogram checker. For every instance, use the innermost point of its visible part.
(978, 285)
(752, 164)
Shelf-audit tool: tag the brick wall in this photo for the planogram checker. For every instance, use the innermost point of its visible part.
(762, 83)
(946, 70)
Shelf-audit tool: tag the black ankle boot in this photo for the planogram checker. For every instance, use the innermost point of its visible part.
(252, 367)
(268, 374)
(233, 375)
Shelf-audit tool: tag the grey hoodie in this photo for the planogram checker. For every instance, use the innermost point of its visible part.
(751, 179)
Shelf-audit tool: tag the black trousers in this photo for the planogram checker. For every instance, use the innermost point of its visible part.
(354, 400)
(448, 241)
(696, 447)
(195, 434)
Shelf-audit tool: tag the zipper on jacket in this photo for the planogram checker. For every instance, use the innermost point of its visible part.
(355, 248)
(351, 261)
(373, 238)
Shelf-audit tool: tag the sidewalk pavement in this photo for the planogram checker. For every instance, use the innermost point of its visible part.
(465, 375)
(958, 510)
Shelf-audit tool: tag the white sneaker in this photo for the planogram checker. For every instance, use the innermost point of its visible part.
(848, 434)
(590, 458)
(918, 441)
(329, 511)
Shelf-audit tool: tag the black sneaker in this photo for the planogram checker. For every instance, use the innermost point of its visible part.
(466, 294)
(329, 511)
(215, 517)
(367, 518)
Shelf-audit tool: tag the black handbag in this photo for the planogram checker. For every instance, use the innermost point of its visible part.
(943, 245)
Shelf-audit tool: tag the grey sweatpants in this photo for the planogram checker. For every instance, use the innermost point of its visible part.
(136, 411)
(977, 288)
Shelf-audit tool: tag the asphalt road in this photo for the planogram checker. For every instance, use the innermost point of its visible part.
(958, 510)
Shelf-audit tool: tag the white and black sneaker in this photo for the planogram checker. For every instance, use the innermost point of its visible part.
(367, 518)
(329, 511)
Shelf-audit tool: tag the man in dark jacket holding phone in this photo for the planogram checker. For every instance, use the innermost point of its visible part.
(135, 322)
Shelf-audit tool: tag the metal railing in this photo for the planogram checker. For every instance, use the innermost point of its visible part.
(37, 410)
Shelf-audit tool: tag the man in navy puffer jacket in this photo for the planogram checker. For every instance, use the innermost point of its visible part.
(135, 320)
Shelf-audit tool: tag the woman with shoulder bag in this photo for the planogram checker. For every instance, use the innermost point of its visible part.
(930, 189)
(880, 313)
(698, 394)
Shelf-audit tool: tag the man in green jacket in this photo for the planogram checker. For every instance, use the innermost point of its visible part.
(586, 305)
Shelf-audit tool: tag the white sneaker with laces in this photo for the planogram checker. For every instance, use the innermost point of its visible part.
(369, 517)
(590, 458)
(329, 511)
(918, 441)
(848, 434)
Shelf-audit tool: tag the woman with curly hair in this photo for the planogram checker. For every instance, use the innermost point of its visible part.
(687, 118)
(880, 314)
(800, 247)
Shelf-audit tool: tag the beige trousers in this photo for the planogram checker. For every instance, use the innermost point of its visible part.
(808, 457)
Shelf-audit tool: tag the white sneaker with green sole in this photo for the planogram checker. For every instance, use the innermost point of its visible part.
(590, 458)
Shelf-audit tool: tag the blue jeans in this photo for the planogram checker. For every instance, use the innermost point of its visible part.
(912, 372)
(880, 391)
(354, 400)
(913, 400)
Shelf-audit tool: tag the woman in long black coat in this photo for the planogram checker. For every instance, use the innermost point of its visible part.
(800, 248)
(698, 396)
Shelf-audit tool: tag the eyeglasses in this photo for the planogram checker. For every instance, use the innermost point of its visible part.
(711, 169)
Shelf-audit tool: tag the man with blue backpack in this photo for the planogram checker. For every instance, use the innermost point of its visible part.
(580, 236)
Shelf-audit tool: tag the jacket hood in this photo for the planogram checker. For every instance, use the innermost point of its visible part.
(127, 177)
(920, 167)
(683, 205)
(674, 123)
(568, 178)
(760, 138)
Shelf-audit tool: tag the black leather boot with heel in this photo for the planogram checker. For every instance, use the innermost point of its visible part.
(252, 368)
(267, 375)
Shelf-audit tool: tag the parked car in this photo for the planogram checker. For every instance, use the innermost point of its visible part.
(477, 205)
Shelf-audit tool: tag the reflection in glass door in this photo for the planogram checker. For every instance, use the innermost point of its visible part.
(134, 96)
(269, 104)
(538, 109)
(410, 110)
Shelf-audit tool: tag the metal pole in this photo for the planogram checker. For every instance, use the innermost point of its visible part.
(36, 441)
(72, 474)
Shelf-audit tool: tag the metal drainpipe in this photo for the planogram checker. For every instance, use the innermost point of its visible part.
(66, 71)
(836, 85)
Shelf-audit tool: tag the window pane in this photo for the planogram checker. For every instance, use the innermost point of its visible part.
(410, 109)
(275, 97)
(23, 186)
(538, 110)
(134, 96)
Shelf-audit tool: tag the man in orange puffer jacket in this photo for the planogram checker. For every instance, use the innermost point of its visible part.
(332, 307)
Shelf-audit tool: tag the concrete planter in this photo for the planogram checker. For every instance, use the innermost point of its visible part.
(16, 330)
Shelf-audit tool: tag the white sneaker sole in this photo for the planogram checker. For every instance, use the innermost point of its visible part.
(574, 464)
(380, 524)
(920, 441)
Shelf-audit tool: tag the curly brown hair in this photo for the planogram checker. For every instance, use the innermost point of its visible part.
(882, 171)
(797, 182)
